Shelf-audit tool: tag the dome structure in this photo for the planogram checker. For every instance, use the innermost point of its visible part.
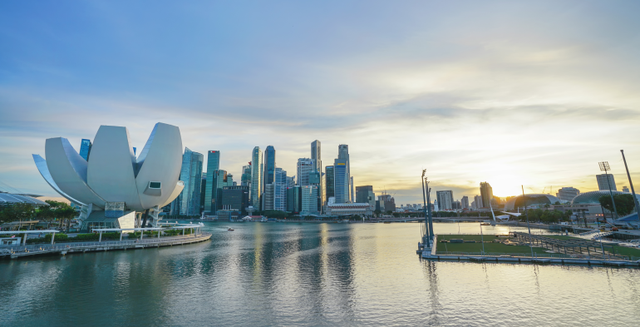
(535, 200)
(9, 199)
(112, 173)
(594, 196)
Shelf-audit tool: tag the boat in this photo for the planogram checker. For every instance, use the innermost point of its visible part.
(230, 229)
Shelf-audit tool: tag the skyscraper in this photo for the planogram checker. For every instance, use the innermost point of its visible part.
(256, 178)
(304, 168)
(269, 196)
(445, 199)
(341, 181)
(191, 175)
(568, 193)
(329, 180)
(245, 178)
(351, 191)
(316, 156)
(309, 199)
(213, 164)
(362, 193)
(477, 202)
(603, 183)
(269, 165)
(486, 192)
(343, 154)
(220, 180)
(280, 196)
(464, 203)
(85, 149)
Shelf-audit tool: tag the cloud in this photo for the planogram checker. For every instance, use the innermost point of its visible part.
(509, 93)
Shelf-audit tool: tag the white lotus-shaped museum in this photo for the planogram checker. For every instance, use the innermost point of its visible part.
(113, 174)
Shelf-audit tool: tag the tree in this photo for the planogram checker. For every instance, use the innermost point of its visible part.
(624, 203)
(275, 214)
(17, 212)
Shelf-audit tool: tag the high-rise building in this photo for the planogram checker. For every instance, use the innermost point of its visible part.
(364, 194)
(290, 181)
(486, 192)
(269, 196)
(445, 199)
(352, 193)
(220, 180)
(329, 182)
(477, 202)
(309, 199)
(245, 178)
(280, 192)
(386, 203)
(203, 187)
(235, 198)
(191, 176)
(316, 157)
(464, 202)
(294, 199)
(85, 149)
(269, 165)
(213, 164)
(567, 193)
(625, 189)
(304, 168)
(341, 181)
(604, 183)
(343, 154)
(256, 178)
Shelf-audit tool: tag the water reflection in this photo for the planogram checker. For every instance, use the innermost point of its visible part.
(311, 274)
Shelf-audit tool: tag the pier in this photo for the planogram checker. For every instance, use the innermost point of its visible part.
(20, 251)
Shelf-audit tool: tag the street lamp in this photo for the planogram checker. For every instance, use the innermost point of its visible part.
(426, 220)
(604, 166)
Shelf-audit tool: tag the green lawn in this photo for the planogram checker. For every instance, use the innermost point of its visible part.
(491, 248)
(623, 250)
(627, 251)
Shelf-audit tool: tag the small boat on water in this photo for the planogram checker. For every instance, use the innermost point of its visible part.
(230, 229)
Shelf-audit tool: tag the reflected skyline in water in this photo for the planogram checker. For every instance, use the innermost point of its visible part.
(308, 274)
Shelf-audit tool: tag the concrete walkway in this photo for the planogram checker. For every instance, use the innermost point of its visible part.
(14, 252)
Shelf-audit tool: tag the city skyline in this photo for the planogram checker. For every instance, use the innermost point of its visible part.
(532, 94)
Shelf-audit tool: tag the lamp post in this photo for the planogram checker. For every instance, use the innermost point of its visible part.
(429, 216)
(428, 223)
(633, 192)
(426, 219)
(604, 166)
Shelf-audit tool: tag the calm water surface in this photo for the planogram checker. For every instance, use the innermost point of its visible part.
(265, 274)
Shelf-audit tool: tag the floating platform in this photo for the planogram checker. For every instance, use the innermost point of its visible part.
(535, 260)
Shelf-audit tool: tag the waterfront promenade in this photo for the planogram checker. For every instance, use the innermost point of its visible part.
(14, 252)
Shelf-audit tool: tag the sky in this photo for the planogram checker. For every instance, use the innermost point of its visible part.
(513, 93)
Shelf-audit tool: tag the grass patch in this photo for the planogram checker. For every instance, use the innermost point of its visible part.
(623, 250)
(490, 248)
